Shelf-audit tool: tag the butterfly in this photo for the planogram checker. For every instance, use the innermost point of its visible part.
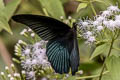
(62, 47)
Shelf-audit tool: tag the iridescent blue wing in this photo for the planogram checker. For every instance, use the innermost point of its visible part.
(59, 55)
(47, 28)
(63, 53)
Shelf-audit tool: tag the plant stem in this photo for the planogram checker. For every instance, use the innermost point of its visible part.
(93, 9)
(93, 76)
(45, 12)
(111, 46)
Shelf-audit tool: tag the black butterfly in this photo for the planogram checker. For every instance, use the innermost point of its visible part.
(62, 46)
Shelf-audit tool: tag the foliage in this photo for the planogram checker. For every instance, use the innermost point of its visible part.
(102, 40)
(6, 12)
(55, 10)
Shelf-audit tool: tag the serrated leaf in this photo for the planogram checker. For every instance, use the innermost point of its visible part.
(113, 65)
(10, 8)
(54, 8)
(81, 6)
(1, 5)
(99, 50)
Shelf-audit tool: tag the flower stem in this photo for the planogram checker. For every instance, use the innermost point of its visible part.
(93, 76)
(93, 9)
(111, 46)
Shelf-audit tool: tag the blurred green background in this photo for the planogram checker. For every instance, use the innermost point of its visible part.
(55, 9)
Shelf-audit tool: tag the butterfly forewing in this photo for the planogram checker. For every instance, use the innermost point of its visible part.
(47, 28)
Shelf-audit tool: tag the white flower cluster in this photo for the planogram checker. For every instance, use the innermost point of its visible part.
(14, 76)
(25, 31)
(109, 19)
(34, 57)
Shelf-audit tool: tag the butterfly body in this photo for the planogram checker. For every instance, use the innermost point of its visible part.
(62, 47)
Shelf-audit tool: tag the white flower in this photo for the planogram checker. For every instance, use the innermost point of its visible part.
(36, 57)
(111, 25)
(100, 19)
(16, 75)
(45, 63)
(11, 78)
(106, 13)
(32, 34)
(117, 17)
(28, 62)
(113, 8)
(23, 72)
(117, 23)
(37, 45)
(31, 75)
(12, 65)
(106, 23)
(9, 75)
(67, 75)
(91, 39)
(43, 51)
(29, 30)
(61, 17)
(2, 73)
(6, 68)
(96, 23)
(23, 32)
(26, 51)
(99, 28)
(34, 61)
(80, 71)
(87, 34)
(20, 41)
(69, 17)
(44, 78)
(109, 19)
(85, 24)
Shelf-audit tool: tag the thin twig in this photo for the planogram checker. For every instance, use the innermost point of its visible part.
(111, 46)
(93, 76)
(93, 9)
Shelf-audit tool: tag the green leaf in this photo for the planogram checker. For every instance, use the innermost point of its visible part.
(113, 65)
(54, 8)
(1, 5)
(82, 0)
(4, 25)
(6, 14)
(79, 0)
(10, 8)
(99, 50)
(100, 1)
(81, 6)
(64, 1)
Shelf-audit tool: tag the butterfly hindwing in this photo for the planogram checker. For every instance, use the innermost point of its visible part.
(58, 55)
(47, 28)
(74, 56)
